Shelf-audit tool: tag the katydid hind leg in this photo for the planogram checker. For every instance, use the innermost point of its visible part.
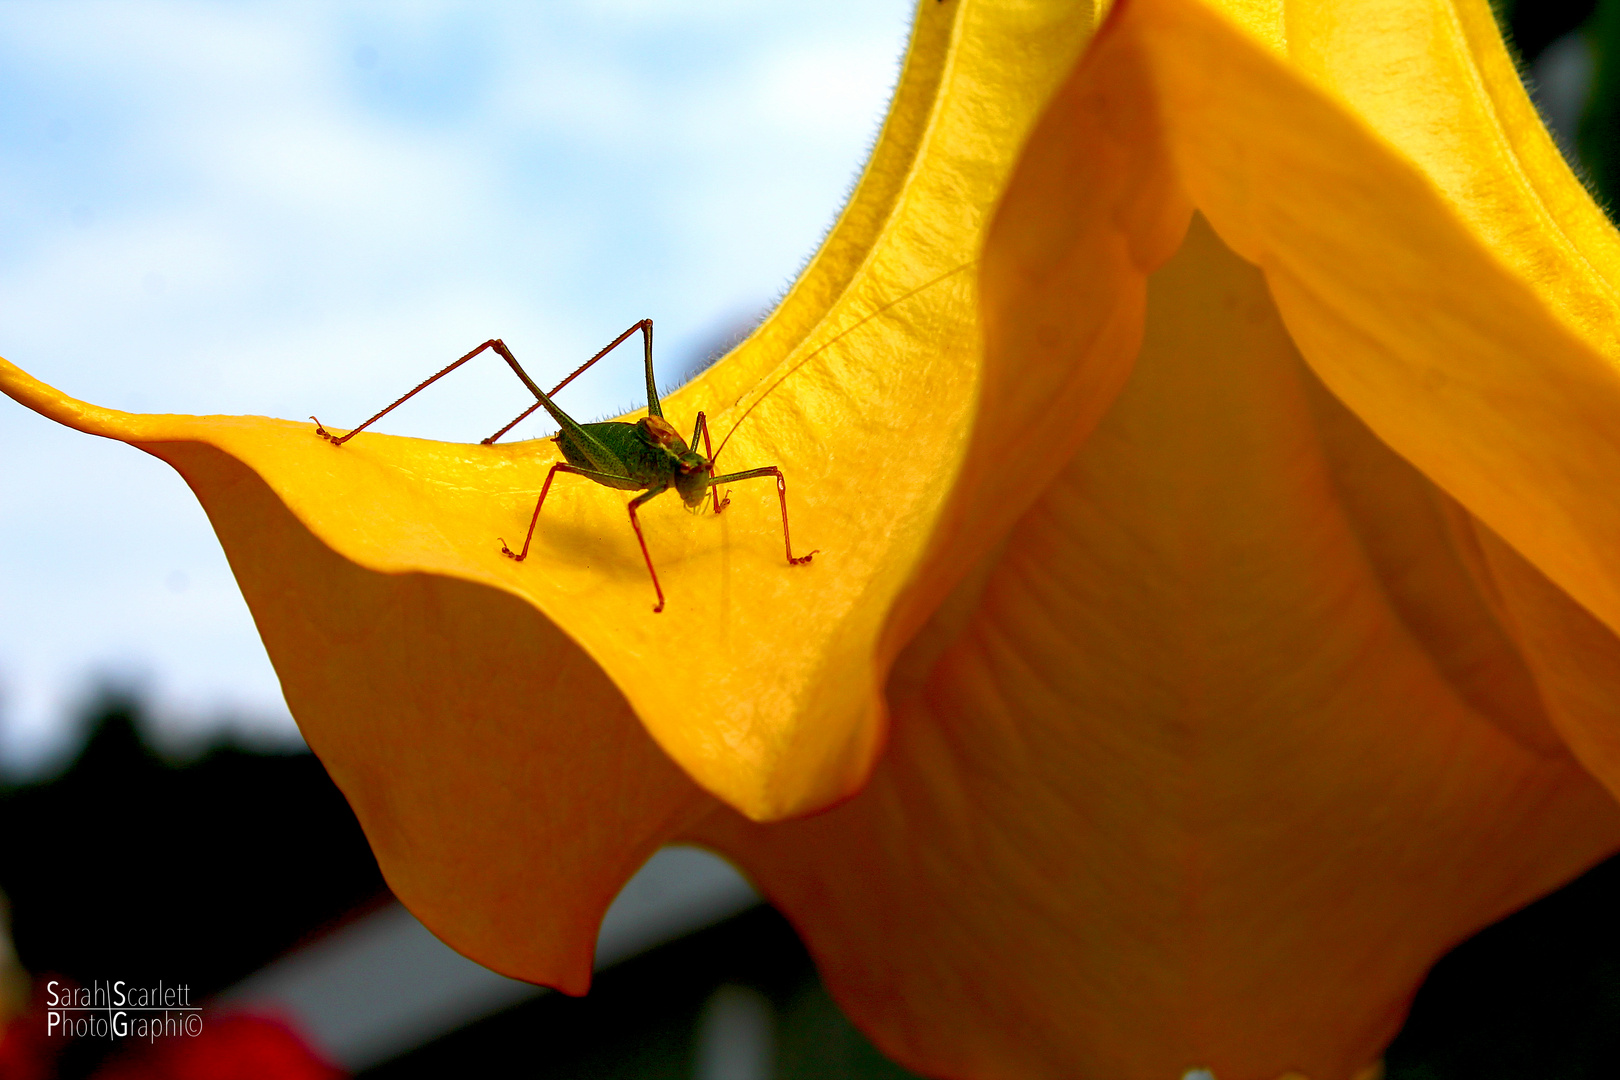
(781, 494)
(654, 406)
(645, 326)
(493, 343)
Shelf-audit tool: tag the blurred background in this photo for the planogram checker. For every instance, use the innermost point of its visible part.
(292, 209)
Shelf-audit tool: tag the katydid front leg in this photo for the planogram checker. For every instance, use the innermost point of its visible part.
(781, 494)
(708, 453)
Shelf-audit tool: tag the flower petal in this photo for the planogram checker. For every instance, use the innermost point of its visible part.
(1185, 790)
(1092, 208)
(1420, 544)
(1441, 270)
(1574, 657)
(1438, 264)
(1517, 648)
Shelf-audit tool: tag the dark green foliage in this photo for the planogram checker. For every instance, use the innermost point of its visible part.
(1534, 24)
(1599, 139)
(132, 867)
(196, 872)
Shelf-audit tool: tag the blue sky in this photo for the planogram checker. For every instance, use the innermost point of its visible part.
(285, 209)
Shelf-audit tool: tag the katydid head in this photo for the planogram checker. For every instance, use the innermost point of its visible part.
(692, 478)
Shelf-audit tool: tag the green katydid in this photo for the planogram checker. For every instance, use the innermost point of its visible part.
(648, 456)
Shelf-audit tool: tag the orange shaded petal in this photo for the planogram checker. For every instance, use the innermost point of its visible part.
(1516, 646)
(1445, 276)
(1186, 790)
(503, 783)
(1574, 657)
(1420, 544)
(1092, 208)
(1442, 271)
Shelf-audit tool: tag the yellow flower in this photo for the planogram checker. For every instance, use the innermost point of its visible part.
(1173, 696)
